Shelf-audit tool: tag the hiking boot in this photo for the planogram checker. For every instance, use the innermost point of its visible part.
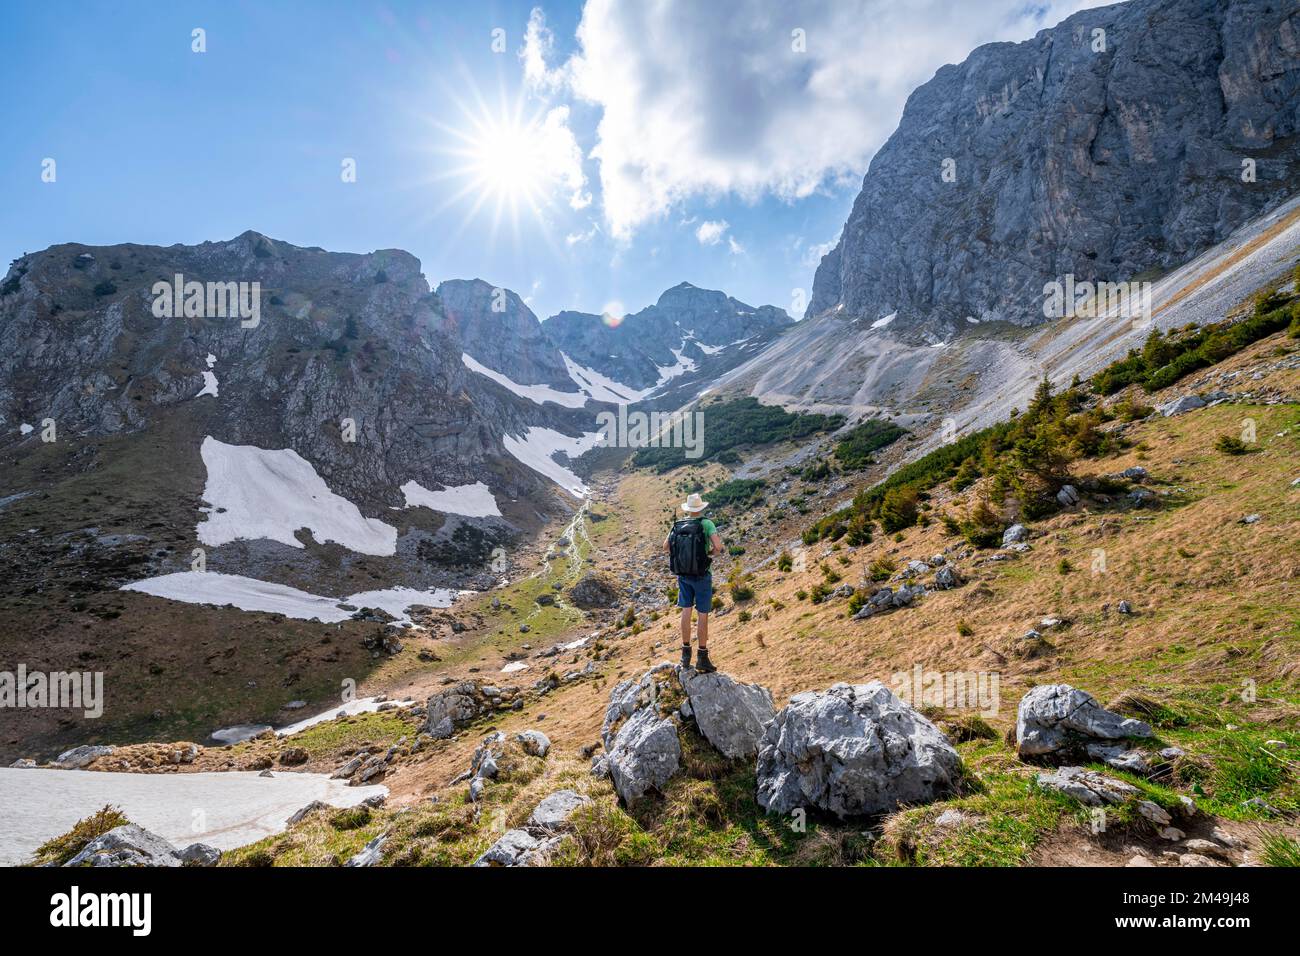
(686, 655)
(703, 664)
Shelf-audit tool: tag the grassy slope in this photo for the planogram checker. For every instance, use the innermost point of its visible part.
(1217, 607)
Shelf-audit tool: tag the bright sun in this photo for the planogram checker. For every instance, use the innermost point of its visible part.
(503, 160)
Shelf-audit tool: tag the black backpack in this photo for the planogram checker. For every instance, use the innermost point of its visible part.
(688, 548)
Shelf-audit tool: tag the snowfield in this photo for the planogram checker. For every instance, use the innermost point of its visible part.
(538, 446)
(225, 810)
(262, 493)
(602, 388)
(537, 394)
(250, 594)
(471, 501)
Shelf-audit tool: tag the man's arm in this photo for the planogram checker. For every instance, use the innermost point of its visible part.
(666, 545)
(715, 541)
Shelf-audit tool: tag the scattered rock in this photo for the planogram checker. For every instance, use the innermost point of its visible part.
(200, 854)
(1016, 533)
(308, 810)
(534, 742)
(553, 813)
(1087, 786)
(947, 578)
(1068, 496)
(517, 848)
(1054, 719)
(372, 853)
(294, 756)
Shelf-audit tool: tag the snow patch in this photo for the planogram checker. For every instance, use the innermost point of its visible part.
(25, 429)
(669, 372)
(538, 394)
(881, 323)
(262, 493)
(472, 501)
(513, 667)
(537, 448)
(250, 594)
(600, 387)
(209, 379)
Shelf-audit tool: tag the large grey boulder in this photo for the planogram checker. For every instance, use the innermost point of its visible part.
(646, 753)
(128, 845)
(1057, 719)
(853, 751)
(79, 757)
(1178, 406)
(451, 709)
(730, 715)
(1014, 535)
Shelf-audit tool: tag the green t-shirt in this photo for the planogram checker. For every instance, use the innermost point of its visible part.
(710, 529)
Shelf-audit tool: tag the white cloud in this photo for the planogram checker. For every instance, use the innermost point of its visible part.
(558, 156)
(710, 232)
(539, 45)
(735, 247)
(710, 99)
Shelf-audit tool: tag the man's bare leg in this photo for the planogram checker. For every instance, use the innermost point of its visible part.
(686, 627)
(702, 627)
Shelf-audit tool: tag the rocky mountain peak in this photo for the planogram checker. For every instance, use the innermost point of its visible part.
(1122, 142)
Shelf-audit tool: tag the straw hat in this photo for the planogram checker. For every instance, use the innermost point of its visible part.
(694, 504)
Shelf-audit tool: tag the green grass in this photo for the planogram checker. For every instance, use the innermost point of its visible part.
(380, 729)
(61, 849)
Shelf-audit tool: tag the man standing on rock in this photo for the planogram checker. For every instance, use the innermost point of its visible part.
(690, 546)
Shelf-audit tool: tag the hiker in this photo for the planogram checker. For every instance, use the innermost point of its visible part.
(690, 545)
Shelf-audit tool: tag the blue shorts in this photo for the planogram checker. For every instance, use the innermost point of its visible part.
(697, 591)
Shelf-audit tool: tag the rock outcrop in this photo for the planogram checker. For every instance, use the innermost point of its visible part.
(1098, 155)
(132, 845)
(853, 751)
(644, 716)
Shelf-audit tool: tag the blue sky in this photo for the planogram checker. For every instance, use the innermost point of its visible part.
(678, 141)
